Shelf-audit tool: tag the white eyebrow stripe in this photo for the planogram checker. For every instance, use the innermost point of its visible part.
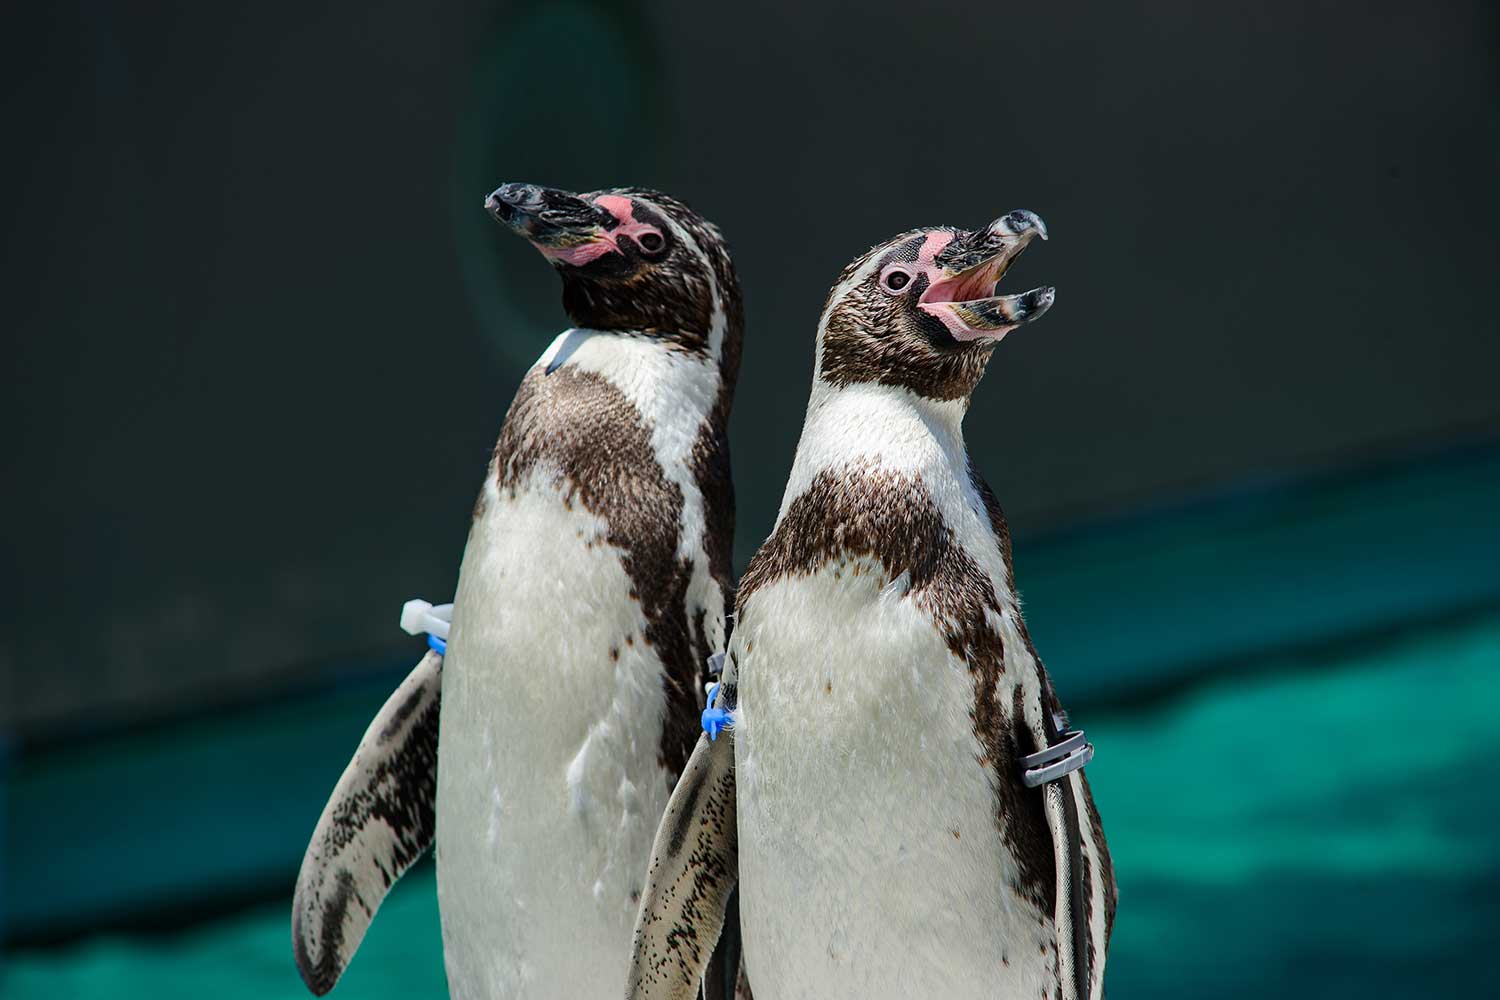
(719, 323)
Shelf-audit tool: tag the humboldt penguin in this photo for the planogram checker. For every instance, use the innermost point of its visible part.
(898, 796)
(540, 748)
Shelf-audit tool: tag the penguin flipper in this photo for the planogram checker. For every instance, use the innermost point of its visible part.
(694, 868)
(1082, 941)
(726, 970)
(379, 820)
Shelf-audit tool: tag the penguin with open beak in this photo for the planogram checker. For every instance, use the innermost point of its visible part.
(897, 794)
(540, 747)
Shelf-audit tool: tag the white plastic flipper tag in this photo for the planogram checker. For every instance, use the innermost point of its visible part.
(419, 617)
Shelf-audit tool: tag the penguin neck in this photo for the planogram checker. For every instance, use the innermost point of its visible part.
(883, 426)
(630, 356)
(674, 390)
(726, 333)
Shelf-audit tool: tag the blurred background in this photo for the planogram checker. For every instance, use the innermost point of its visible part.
(262, 337)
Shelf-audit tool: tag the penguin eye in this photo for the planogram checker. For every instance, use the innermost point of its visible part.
(651, 241)
(895, 280)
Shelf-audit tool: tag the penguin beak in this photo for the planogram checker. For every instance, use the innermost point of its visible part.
(962, 292)
(564, 227)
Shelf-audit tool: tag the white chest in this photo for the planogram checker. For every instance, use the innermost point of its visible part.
(871, 865)
(871, 853)
(550, 786)
(549, 789)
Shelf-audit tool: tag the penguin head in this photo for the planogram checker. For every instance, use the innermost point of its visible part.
(922, 311)
(632, 259)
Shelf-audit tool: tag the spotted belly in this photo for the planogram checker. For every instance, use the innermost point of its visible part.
(871, 863)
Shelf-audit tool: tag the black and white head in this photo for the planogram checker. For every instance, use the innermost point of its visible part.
(633, 260)
(922, 311)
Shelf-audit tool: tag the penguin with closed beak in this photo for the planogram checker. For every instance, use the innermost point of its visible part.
(898, 795)
(540, 747)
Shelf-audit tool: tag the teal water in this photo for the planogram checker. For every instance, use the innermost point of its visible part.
(1323, 825)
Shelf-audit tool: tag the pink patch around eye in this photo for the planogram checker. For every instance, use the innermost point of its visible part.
(885, 278)
(624, 210)
(634, 230)
(933, 245)
(639, 230)
(617, 205)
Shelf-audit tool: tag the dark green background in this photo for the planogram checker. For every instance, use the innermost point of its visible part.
(262, 336)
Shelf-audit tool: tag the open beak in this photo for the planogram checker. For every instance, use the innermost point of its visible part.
(963, 295)
(564, 227)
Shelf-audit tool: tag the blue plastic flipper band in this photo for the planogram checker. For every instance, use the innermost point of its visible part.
(437, 644)
(715, 720)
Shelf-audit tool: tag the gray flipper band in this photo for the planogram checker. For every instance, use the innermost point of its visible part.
(1065, 756)
(1048, 769)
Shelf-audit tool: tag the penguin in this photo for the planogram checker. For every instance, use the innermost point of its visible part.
(538, 751)
(898, 797)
